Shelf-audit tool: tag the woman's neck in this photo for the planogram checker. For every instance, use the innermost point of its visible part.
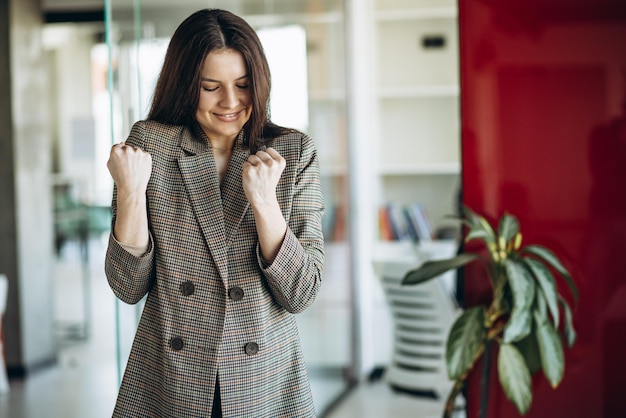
(222, 153)
(222, 145)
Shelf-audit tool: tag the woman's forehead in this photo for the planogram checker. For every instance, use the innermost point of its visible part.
(224, 63)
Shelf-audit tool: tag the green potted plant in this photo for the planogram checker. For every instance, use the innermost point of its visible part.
(525, 317)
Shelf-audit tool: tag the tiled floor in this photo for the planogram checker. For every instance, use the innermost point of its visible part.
(376, 400)
(83, 384)
(78, 387)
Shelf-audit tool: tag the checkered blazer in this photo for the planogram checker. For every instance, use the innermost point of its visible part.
(213, 305)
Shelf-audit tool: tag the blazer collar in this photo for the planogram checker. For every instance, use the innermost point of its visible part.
(194, 141)
(219, 209)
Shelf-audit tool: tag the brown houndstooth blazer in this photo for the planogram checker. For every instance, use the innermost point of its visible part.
(213, 305)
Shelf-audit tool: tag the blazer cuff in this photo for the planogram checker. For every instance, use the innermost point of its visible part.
(287, 261)
(136, 250)
(131, 254)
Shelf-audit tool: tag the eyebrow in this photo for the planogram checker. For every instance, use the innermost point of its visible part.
(218, 81)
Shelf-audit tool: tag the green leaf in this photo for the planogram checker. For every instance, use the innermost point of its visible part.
(551, 258)
(547, 286)
(529, 349)
(508, 227)
(551, 351)
(542, 306)
(523, 292)
(469, 215)
(465, 342)
(477, 234)
(515, 377)
(570, 332)
(478, 225)
(432, 269)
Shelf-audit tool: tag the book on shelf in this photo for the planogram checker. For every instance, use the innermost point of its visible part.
(392, 226)
(426, 225)
(411, 228)
(432, 230)
(328, 222)
(339, 230)
(397, 222)
(418, 217)
(409, 222)
(385, 229)
(334, 223)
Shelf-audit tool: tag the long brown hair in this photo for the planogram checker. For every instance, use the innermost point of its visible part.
(177, 90)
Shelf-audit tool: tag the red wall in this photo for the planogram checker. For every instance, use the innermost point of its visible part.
(543, 93)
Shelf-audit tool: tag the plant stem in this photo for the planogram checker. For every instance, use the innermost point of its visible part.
(484, 380)
(449, 407)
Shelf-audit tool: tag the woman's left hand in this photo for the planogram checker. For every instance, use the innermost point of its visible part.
(260, 176)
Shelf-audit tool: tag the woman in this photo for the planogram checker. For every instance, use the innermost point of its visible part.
(217, 218)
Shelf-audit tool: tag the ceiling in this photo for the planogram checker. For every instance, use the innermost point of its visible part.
(555, 10)
(82, 5)
(161, 17)
(122, 10)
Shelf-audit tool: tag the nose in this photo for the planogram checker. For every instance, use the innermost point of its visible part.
(229, 98)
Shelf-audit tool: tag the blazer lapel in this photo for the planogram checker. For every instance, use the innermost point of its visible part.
(234, 199)
(199, 173)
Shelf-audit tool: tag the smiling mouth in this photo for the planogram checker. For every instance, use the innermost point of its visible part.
(228, 117)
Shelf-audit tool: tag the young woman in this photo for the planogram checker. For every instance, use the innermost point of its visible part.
(217, 218)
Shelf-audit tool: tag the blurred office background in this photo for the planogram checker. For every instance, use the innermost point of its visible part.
(79, 73)
(381, 86)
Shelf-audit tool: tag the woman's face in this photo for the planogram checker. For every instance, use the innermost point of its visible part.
(225, 104)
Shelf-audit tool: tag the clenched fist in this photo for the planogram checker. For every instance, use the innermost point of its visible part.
(130, 168)
(260, 176)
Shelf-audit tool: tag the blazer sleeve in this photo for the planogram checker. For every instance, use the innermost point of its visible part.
(130, 277)
(295, 275)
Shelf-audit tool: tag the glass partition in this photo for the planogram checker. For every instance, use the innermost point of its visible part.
(304, 43)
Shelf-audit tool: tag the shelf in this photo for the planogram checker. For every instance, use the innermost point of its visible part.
(419, 91)
(422, 13)
(291, 18)
(421, 169)
(331, 170)
(403, 63)
(330, 95)
(405, 255)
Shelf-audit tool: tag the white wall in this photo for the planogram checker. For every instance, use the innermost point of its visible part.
(29, 339)
(73, 128)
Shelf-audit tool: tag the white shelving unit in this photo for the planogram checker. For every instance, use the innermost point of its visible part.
(417, 104)
(416, 125)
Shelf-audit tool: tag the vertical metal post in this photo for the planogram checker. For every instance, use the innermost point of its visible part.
(107, 37)
(361, 220)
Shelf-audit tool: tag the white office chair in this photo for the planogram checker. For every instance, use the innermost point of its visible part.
(422, 317)
(4, 291)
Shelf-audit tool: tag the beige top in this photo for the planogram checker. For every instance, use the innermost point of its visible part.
(136, 250)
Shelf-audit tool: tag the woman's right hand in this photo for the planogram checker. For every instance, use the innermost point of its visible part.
(130, 168)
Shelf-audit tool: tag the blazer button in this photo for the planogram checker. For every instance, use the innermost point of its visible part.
(187, 288)
(236, 293)
(176, 343)
(252, 349)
